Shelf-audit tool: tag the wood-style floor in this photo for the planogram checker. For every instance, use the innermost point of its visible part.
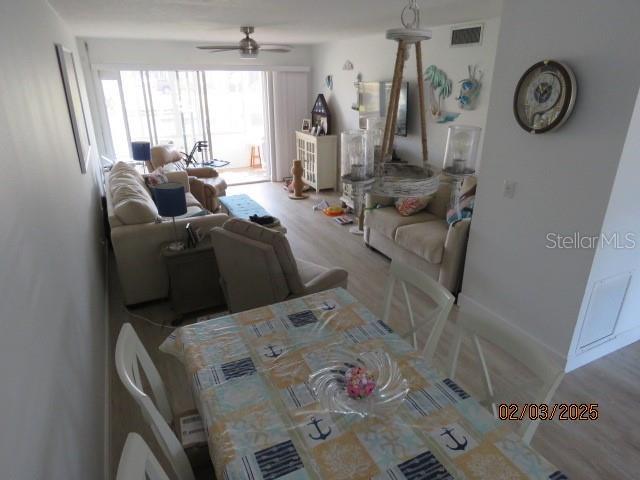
(608, 448)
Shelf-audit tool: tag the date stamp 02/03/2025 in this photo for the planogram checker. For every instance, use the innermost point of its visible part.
(541, 411)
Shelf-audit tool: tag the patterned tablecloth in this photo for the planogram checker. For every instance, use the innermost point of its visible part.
(249, 374)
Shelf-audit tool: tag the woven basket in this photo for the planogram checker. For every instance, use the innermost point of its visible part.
(406, 181)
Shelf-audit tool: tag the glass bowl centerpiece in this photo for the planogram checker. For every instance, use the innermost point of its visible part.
(368, 384)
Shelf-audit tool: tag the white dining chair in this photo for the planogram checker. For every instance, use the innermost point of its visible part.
(520, 348)
(404, 274)
(130, 356)
(137, 462)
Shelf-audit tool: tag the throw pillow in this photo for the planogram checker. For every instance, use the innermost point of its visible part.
(157, 177)
(412, 205)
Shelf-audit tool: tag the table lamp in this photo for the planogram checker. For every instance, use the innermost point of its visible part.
(171, 202)
(141, 152)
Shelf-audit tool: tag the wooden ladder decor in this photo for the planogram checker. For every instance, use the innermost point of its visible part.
(392, 111)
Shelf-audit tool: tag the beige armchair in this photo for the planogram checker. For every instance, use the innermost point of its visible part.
(205, 183)
(257, 267)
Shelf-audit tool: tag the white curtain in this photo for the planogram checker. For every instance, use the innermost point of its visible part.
(289, 104)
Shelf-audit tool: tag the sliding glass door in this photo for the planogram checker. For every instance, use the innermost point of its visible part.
(180, 107)
(236, 114)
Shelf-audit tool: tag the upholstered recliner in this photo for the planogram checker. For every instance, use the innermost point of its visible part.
(257, 267)
(204, 182)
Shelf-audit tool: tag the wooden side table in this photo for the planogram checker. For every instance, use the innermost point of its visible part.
(193, 278)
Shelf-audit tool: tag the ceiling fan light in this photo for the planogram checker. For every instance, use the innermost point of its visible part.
(248, 55)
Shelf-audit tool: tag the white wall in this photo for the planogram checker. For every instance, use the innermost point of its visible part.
(565, 177)
(374, 56)
(610, 261)
(52, 339)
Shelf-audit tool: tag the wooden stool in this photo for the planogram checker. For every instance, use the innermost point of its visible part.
(255, 160)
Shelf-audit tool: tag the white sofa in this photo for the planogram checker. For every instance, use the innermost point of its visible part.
(424, 240)
(138, 233)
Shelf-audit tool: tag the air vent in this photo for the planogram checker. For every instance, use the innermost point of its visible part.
(467, 35)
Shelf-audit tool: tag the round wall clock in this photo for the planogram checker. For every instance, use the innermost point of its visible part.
(545, 96)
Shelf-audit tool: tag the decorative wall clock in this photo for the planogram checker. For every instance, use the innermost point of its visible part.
(545, 96)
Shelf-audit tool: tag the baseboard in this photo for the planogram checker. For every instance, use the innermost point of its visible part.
(621, 340)
(107, 370)
(467, 303)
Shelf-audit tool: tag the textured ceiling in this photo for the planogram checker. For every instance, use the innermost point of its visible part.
(292, 21)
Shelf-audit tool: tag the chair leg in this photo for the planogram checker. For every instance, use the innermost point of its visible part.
(255, 157)
(414, 333)
(455, 353)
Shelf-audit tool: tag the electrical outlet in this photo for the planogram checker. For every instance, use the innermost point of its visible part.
(509, 188)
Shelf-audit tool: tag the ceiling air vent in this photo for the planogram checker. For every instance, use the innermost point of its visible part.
(466, 35)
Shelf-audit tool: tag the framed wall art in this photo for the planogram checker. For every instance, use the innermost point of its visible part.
(76, 108)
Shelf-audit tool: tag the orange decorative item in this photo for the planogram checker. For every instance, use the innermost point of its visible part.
(298, 184)
(333, 211)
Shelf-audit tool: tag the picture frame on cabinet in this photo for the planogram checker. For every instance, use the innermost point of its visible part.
(306, 125)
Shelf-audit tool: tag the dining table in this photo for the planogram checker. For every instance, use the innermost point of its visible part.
(250, 376)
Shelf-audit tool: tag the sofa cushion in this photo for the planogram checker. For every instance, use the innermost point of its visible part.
(125, 173)
(192, 201)
(131, 200)
(424, 239)
(133, 205)
(439, 204)
(386, 220)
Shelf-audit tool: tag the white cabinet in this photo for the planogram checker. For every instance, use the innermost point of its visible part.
(319, 156)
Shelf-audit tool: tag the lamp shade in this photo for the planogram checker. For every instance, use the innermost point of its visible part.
(170, 199)
(141, 151)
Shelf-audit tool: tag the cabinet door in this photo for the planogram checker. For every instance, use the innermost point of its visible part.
(301, 150)
(311, 158)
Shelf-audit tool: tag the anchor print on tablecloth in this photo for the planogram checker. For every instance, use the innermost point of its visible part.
(458, 445)
(273, 351)
(321, 435)
(453, 439)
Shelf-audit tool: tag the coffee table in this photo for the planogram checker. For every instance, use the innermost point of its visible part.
(243, 206)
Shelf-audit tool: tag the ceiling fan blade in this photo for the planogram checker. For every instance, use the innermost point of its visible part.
(220, 48)
(269, 47)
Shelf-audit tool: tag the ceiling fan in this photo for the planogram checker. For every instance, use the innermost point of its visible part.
(248, 47)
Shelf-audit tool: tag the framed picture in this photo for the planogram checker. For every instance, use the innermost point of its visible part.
(74, 104)
(306, 125)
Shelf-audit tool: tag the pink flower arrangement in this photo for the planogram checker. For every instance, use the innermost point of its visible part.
(360, 383)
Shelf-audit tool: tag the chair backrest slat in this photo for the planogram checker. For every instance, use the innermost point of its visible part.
(137, 462)
(517, 345)
(130, 357)
(443, 299)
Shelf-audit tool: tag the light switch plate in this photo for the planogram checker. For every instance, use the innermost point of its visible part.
(510, 188)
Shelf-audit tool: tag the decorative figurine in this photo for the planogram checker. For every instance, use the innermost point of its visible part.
(470, 88)
(440, 83)
(298, 184)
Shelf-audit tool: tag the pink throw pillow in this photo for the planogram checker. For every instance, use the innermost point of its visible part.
(157, 177)
(411, 205)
